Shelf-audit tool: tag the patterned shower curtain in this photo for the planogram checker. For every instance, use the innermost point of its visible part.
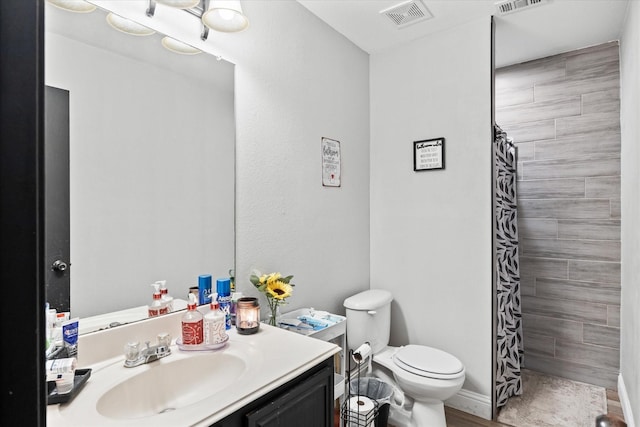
(509, 323)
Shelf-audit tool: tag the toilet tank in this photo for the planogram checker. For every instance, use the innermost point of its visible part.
(369, 319)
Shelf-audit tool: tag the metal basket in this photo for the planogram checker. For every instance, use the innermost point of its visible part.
(352, 418)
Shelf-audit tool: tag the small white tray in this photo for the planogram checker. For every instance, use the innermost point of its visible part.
(201, 347)
(326, 334)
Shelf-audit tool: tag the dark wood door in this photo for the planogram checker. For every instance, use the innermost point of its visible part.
(56, 195)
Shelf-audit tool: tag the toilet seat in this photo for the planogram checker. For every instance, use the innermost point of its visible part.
(428, 362)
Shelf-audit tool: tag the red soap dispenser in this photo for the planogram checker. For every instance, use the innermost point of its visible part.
(192, 324)
(157, 306)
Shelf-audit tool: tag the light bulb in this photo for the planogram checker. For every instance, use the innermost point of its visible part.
(79, 6)
(225, 16)
(177, 46)
(128, 26)
(180, 4)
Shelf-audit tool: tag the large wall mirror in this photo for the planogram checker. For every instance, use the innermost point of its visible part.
(151, 165)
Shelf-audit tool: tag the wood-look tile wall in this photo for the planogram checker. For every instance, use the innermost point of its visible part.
(563, 113)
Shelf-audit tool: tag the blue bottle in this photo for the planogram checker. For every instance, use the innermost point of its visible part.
(223, 287)
(204, 289)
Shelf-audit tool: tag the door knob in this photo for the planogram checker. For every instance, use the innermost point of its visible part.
(59, 265)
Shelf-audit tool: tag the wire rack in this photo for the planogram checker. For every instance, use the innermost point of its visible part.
(351, 417)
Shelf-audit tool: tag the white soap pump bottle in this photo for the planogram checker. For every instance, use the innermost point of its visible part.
(166, 298)
(215, 330)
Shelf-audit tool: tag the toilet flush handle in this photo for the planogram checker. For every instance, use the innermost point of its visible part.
(371, 312)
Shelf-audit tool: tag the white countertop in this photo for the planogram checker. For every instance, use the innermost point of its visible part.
(277, 356)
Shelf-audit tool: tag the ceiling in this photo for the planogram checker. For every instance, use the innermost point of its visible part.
(552, 27)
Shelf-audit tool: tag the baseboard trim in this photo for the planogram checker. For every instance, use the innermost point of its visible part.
(625, 403)
(472, 403)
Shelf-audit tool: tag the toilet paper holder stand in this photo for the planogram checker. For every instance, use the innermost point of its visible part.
(358, 409)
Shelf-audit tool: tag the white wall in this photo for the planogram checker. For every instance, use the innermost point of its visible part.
(431, 231)
(298, 80)
(151, 165)
(629, 386)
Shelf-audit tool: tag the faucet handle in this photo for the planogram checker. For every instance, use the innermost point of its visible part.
(164, 344)
(164, 339)
(132, 350)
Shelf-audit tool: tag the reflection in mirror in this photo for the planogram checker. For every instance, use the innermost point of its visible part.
(151, 166)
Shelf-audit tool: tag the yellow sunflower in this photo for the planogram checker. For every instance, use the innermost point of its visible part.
(273, 278)
(279, 290)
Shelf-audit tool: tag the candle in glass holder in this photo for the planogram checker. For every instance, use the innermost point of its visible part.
(247, 315)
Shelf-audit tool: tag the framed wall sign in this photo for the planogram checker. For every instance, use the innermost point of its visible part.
(428, 154)
(330, 162)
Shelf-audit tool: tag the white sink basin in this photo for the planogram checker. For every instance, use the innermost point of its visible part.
(170, 384)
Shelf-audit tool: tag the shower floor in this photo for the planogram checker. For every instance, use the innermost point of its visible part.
(457, 418)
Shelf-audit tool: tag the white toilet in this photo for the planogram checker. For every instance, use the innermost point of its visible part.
(423, 377)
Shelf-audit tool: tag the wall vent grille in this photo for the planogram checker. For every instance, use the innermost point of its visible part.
(510, 6)
(407, 13)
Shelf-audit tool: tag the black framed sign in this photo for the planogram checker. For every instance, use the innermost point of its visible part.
(428, 154)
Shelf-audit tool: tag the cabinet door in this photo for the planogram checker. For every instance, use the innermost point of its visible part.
(308, 404)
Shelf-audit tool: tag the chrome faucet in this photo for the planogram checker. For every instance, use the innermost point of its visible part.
(134, 356)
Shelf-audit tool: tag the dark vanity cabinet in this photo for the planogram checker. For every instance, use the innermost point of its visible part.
(304, 401)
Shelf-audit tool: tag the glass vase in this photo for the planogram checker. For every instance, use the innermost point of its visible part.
(274, 316)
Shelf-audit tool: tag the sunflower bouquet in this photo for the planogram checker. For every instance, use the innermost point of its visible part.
(276, 288)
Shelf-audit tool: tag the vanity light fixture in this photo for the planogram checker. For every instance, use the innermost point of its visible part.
(177, 46)
(225, 16)
(195, 8)
(128, 26)
(79, 6)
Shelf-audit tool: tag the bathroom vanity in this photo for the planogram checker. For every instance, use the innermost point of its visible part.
(273, 377)
(307, 399)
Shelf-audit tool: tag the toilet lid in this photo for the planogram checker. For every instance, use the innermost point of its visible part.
(428, 362)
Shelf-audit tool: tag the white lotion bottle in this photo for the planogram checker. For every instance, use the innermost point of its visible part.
(214, 323)
(164, 293)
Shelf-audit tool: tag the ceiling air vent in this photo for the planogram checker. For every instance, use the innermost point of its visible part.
(510, 6)
(407, 13)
